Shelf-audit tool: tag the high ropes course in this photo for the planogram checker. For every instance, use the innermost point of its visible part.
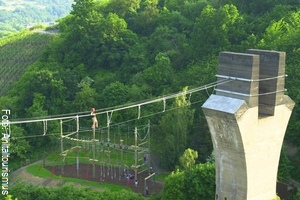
(102, 145)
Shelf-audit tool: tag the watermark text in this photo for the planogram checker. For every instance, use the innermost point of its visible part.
(5, 130)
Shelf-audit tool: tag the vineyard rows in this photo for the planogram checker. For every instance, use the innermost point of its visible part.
(17, 52)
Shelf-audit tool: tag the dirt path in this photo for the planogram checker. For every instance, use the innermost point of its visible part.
(24, 176)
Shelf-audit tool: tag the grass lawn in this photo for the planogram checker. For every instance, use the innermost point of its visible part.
(162, 176)
(39, 171)
(84, 156)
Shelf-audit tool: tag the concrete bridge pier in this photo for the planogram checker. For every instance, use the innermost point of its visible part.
(247, 118)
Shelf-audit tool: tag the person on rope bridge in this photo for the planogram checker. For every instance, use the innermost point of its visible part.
(94, 119)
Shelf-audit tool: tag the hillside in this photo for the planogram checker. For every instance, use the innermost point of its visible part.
(16, 15)
(17, 52)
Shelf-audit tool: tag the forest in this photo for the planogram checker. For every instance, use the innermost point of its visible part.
(17, 15)
(109, 53)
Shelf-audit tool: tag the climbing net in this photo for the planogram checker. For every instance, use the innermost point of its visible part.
(116, 150)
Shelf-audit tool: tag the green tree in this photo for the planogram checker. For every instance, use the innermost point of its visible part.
(174, 5)
(159, 76)
(150, 10)
(199, 182)
(45, 83)
(19, 145)
(176, 22)
(82, 34)
(174, 128)
(96, 41)
(82, 7)
(284, 168)
(263, 21)
(174, 186)
(283, 35)
(37, 111)
(135, 60)
(192, 10)
(172, 44)
(123, 8)
(115, 94)
(86, 98)
(9, 102)
(117, 42)
(144, 22)
(297, 196)
(103, 78)
(196, 183)
(199, 73)
(188, 159)
(216, 30)
(68, 191)
(260, 7)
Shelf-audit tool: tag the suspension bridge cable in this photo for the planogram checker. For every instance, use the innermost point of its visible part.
(110, 110)
(121, 107)
(134, 119)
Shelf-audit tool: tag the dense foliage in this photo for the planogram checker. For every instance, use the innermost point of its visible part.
(113, 52)
(197, 182)
(23, 191)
